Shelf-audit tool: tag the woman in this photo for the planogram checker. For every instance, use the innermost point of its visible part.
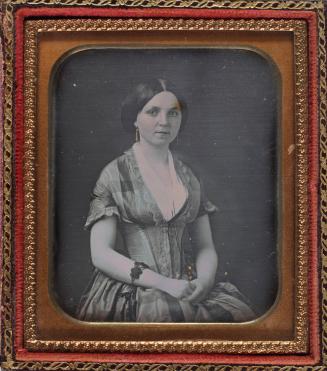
(151, 196)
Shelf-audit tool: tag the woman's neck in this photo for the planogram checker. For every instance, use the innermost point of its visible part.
(154, 153)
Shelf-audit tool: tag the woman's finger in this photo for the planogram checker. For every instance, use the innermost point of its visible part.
(199, 298)
(195, 294)
(189, 290)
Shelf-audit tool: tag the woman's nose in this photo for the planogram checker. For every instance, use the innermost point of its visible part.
(163, 118)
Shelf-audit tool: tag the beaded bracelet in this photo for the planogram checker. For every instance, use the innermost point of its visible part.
(137, 270)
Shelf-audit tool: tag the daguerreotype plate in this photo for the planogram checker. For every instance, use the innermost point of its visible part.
(161, 176)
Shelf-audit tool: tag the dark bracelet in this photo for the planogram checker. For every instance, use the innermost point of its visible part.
(137, 270)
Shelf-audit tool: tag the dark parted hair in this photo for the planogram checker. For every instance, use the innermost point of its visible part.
(141, 95)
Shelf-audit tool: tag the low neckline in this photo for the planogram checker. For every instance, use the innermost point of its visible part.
(138, 173)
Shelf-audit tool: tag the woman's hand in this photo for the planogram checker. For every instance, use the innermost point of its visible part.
(206, 259)
(179, 289)
(201, 290)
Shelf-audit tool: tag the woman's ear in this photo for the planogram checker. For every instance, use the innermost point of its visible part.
(135, 124)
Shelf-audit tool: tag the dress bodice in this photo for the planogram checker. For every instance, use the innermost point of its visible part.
(149, 238)
(157, 246)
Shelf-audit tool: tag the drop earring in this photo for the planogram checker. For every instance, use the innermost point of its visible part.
(137, 135)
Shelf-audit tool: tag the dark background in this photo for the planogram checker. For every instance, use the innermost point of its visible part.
(230, 140)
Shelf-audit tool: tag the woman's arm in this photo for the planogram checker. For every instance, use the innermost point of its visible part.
(118, 266)
(206, 258)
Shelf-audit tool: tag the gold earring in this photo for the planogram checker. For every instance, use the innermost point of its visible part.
(137, 135)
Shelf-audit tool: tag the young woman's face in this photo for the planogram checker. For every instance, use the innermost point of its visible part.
(160, 119)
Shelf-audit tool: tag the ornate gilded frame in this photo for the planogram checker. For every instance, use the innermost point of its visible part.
(22, 348)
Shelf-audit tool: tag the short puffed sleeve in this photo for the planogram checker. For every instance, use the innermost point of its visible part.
(206, 206)
(102, 201)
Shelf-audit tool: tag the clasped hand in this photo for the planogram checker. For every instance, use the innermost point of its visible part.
(193, 291)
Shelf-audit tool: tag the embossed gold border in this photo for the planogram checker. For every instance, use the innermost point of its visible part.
(8, 279)
(298, 28)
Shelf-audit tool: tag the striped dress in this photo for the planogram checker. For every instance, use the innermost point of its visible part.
(149, 238)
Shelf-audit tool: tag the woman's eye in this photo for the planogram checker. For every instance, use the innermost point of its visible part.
(173, 113)
(152, 112)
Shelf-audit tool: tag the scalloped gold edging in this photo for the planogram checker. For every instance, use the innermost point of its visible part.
(7, 253)
(89, 366)
(198, 4)
(8, 153)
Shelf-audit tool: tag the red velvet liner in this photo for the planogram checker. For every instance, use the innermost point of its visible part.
(162, 13)
(313, 357)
